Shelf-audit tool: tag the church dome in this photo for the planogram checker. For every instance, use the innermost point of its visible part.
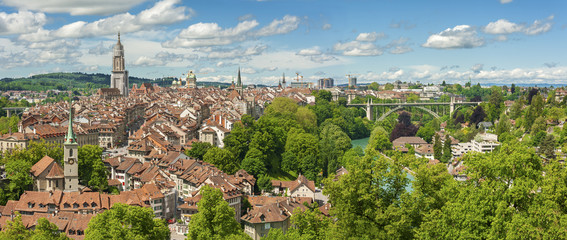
(191, 75)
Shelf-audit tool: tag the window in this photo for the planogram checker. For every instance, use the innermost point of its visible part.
(66, 205)
(75, 205)
(267, 226)
(93, 204)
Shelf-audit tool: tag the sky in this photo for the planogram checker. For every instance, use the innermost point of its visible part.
(482, 41)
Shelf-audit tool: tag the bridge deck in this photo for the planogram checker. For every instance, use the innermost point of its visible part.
(413, 104)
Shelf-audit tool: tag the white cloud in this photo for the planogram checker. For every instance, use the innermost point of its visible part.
(237, 52)
(207, 70)
(41, 54)
(309, 51)
(461, 36)
(287, 24)
(75, 7)
(505, 1)
(356, 48)
(100, 49)
(326, 26)
(21, 22)
(147, 61)
(210, 34)
(369, 37)
(163, 12)
(245, 17)
(503, 26)
(477, 67)
(247, 70)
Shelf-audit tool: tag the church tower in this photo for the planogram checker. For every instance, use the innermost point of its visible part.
(191, 80)
(283, 80)
(239, 83)
(71, 153)
(119, 76)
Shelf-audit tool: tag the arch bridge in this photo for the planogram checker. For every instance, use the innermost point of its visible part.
(421, 105)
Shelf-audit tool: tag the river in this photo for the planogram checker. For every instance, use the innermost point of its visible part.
(363, 142)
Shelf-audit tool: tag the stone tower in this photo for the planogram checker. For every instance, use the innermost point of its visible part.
(119, 76)
(283, 81)
(71, 153)
(239, 83)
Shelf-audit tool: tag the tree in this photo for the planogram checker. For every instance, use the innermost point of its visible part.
(496, 103)
(513, 88)
(289, 162)
(305, 147)
(547, 146)
(310, 224)
(265, 183)
(533, 92)
(324, 95)
(46, 230)
(123, 221)
(426, 132)
(306, 119)
(214, 219)
(89, 155)
(404, 128)
(253, 166)
(437, 147)
(334, 142)
(374, 86)
(446, 150)
(503, 125)
(364, 200)
(478, 115)
(539, 125)
(222, 159)
(99, 177)
(379, 140)
(15, 229)
(199, 149)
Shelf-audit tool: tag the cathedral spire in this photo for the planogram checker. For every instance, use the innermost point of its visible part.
(239, 80)
(70, 138)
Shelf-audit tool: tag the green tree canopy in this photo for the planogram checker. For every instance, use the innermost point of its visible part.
(214, 219)
(199, 149)
(223, 159)
(123, 221)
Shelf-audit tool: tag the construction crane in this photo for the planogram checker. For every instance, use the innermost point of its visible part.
(299, 78)
(351, 80)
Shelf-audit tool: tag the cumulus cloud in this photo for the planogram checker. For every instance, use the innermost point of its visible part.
(356, 48)
(505, 1)
(503, 26)
(21, 22)
(247, 70)
(237, 52)
(245, 17)
(44, 53)
(477, 67)
(398, 46)
(211, 34)
(326, 26)
(100, 49)
(162, 58)
(461, 36)
(309, 51)
(280, 26)
(75, 7)
(370, 37)
(163, 12)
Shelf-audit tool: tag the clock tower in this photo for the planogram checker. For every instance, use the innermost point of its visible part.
(71, 153)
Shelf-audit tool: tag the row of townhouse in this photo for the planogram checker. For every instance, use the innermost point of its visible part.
(71, 211)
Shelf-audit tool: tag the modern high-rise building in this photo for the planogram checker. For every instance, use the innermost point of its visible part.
(351, 82)
(326, 83)
(119, 76)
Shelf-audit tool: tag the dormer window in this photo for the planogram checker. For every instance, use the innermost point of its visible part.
(41, 205)
(66, 205)
(85, 205)
(93, 204)
(31, 205)
(75, 205)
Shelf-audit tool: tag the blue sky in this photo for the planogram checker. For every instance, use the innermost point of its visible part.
(486, 41)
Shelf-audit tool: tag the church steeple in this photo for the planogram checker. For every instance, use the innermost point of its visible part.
(238, 79)
(70, 157)
(70, 138)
